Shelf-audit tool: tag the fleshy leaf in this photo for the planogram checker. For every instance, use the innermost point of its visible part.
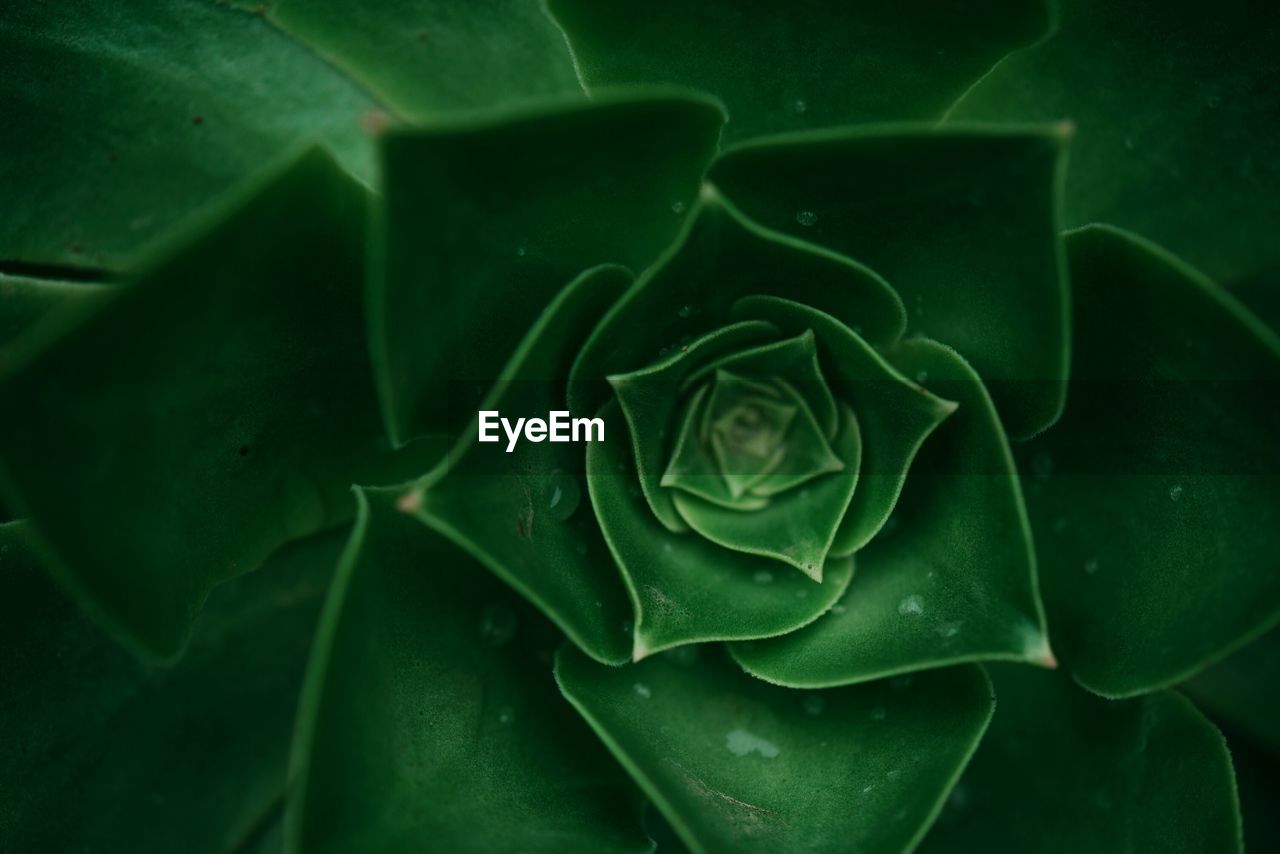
(894, 415)
(1156, 500)
(792, 359)
(1176, 114)
(684, 588)
(808, 63)
(1062, 771)
(952, 579)
(430, 716)
(735, 764)
(102, 753)
(1244, 689)
(124, 118)
(233, 413)
(720, 257)
(424, 58)
(963, 223)
(24, 302)
(650, 397)
(486, 220)
(798, 525)
(518, 513)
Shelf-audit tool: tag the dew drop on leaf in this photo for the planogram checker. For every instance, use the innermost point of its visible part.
(562, 496)
(879, 713)
(912, 606)
(1091, 566)
(497, 625)
(763, 576)
(1175, 492)
(814, 704)
(677, 207)
(642, 690)
(806, 218)
(800, 106)
(743, 743)
(506, 715)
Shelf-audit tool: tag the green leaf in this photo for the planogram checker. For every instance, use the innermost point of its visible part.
(517, 512)
(1156, 499)
(684, 588)
(951, 579)
(650, 398)
(24, 302)
(808, 63)
(738, 765)
(485, 220)
(233, 412)
(103, 753)
(798, 525)
(124, 118)
(895, 415)
(430, 716)
(720, 257)
(1176, 118)
(1064, 771)
(962, 222)
(425, 58)
(1244, 689)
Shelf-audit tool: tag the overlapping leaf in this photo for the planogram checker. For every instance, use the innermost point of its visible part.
(170, 435)
(1156, 500)
(738, 765)
(95, 745)
(430, 716)
(804, 64)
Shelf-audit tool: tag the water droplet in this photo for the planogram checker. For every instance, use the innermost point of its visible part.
(561, 495)
(922, 377)
(806, 218)
(879, 713)
(838, 608)
(901, 683)
(685, 310)
(627, 627)
(1091, 566)
(893, 774)
(677, 207)
(506, 715)
(867, 788)
(802, 593)
(642, 690)
(763, 576)
(1175, 492)
(743, 743)
(912, 606)
(949, 630)
(814, 704)
(599, 604)
(800, 106)
(497, 625)
(521, 251)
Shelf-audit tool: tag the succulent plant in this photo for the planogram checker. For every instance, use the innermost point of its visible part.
(925, 496)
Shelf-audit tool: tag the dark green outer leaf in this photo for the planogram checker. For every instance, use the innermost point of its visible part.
(234, 410)
(951, 579)
(1244, 689)
(483, 222)
(1062, 771)
(519, 513)
(121, 119)
(738, 765)
(101, 753)
(1176, 106)
(963, 223)
(430, 718)
(1156, 500)
(24, 302)
(806, 63)
(428, 57)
